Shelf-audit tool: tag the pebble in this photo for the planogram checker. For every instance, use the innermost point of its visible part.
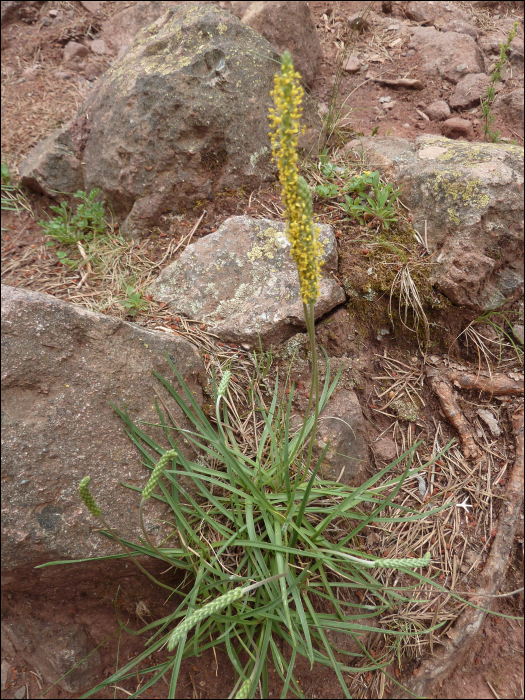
(517, 329)
(488, 418)
(457, 128)
(353, 64)
(436, 111)
(4, 673)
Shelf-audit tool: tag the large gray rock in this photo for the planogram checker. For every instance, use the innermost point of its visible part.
(182, 115)
(288, 26)
(447, 54)
(242, 282)
(61, 365)
(471, 197)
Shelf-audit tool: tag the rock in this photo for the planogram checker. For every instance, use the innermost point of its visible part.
(353, 64)
(25, 11)
(432, 12)
(488, 418)
(390, 105)
(470, 196)
(491, 41)
(119, 31)
(385, 450)
(358, 22)
(99, 47)
(511, 105)
(61, 365)
(342, 425)
(180, 116)
(437, 111)
(91, 71)
(63, 74)
(4, 674)
(288, 26)
(30, 73)
(73, 50)
(456, 128)
(55, 164)
(469, 91)
(53, 649)
(518, 330)
(441, 53)
(235, 7)
(242, 282)
(92, 6)
(456, 25)
(516, 51)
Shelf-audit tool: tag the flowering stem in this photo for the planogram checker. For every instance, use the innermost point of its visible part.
(314, 388)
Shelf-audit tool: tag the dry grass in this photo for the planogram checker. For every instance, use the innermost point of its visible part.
(458, 537)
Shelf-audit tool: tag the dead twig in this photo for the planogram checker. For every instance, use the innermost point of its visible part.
(445, 393)
(497, 384)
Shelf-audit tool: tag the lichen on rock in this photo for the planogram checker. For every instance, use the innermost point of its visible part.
(242, 282)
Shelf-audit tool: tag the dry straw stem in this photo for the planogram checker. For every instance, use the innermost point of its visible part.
(105, 267)
(467, 626)
(458, 540)
(400, 380)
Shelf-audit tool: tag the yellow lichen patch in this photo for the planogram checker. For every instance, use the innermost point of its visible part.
(453, 216)
(454, 185)
(272, 241)
(468, 153)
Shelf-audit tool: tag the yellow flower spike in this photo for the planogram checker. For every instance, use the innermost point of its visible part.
(296, 196)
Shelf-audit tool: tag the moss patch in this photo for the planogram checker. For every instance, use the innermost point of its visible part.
(370, 266)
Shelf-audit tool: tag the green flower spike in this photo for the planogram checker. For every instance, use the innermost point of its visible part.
(85, 495)
(224, 383)
(403, 563)
(197, 615)
(244, 689)
(156, 474)
(213, 607)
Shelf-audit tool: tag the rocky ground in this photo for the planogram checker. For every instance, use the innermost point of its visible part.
(42, 89)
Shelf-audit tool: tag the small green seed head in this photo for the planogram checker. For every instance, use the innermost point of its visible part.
(197, 615)
(85, 495)
(155, 475)
(224, 383)
(244, 689)
(403, 563)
